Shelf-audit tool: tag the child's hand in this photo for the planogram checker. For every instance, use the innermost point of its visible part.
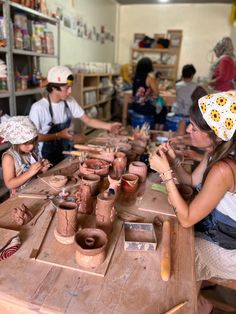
(45, 165)
(35, 168)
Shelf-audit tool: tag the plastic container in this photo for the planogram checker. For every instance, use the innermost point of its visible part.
(139, 120)
(173, 122)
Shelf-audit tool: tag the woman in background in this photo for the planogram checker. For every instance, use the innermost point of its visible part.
(145, 90)
(223, 72)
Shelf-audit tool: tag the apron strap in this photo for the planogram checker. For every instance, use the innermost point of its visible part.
(67, 110)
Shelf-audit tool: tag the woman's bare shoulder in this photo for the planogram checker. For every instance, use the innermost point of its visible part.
(225, 170)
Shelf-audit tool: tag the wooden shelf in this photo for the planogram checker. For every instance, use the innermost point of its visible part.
(162, 55)
(84, 83)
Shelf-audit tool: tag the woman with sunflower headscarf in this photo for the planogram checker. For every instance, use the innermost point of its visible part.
(213, 210)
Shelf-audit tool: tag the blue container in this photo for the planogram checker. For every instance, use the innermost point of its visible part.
(172, 123)
(139, 119)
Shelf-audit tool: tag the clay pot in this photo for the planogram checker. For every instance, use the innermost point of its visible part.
(114, 183)
(84, 199)
(124, 147)
(58, 181)
(105, 211)
(129, 182)
(67, 219)
(138, 149)
(95, 166)
(90, 247)
(186, 191)
(119, 164)
(140, 169)
(93, 181)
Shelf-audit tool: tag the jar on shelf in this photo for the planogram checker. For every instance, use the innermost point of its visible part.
(3, 83)
(24, 82)
(18, 38)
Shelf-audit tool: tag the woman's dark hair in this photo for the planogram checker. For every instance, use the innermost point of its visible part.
(144, 66)
(221, 150)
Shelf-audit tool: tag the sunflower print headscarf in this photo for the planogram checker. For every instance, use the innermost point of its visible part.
(219, 112)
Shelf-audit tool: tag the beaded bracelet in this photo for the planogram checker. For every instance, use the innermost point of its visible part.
(165, 181)
(167, 171)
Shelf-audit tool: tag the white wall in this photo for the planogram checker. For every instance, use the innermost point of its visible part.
(95, 13)
(202, 24)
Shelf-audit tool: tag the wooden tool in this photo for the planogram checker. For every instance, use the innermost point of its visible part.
(165, 252)
(175, 308)
(87, 148)
(104, 156)
(35, 196)
(50, 211)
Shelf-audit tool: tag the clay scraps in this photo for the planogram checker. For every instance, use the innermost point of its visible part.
(21, 215)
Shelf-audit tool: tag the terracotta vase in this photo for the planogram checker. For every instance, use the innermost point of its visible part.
(114, 183)
(67, 219)
(84, 199)
(140, 169)
(93, 181)
(129, 182)
(105, 211)
(90, 247)
(119, 164)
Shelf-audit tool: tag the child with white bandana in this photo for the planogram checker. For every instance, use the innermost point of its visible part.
(213, 211)
(20, 163)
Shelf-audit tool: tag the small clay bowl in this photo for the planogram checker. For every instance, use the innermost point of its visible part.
(90, 247)
(58, 181)
(95, 166)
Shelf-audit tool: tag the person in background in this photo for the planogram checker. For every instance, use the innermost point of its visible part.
(212, 128)
(223, 72)
(20, 163)
(53, 114)
(145, 90)
(184, 89)
(126, 74)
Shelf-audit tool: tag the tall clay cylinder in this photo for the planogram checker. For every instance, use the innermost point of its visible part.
(67, 219)
(105, 212)
(140, 169)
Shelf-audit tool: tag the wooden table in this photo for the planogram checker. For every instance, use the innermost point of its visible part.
(131, 285)
(169, 98)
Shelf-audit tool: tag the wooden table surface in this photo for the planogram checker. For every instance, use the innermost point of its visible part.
(132, 283)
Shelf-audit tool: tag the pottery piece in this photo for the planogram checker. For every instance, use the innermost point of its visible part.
(105, 211)
(21, 215)
(91, 246)
(84, 199)
(138, 149)
(124, 147)
(186, 191)
(58, 181)
(114, 183)
(119, 164)
(93, 181)
(140, 169)
(129, 182)
(67, 219)
(95, 166)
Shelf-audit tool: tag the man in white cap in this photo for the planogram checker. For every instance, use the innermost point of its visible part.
(52, 115)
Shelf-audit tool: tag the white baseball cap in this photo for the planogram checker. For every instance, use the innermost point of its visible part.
(59, 74)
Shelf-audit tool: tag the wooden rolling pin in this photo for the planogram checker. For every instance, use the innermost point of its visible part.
(87, 148)
(165, 252)
(35, 195)
(104, 156)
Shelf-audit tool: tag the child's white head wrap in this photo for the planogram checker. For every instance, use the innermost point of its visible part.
(18, 130)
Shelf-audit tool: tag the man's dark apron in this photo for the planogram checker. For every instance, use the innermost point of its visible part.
(52, 150)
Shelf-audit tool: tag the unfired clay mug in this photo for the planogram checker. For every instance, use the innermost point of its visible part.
(129, 182)
(139, 168)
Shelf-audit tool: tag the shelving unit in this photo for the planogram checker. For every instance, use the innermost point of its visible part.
(18, 101)
(91, 91)
(165, 60)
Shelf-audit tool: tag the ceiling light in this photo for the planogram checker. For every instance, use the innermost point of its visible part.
(163, 1)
